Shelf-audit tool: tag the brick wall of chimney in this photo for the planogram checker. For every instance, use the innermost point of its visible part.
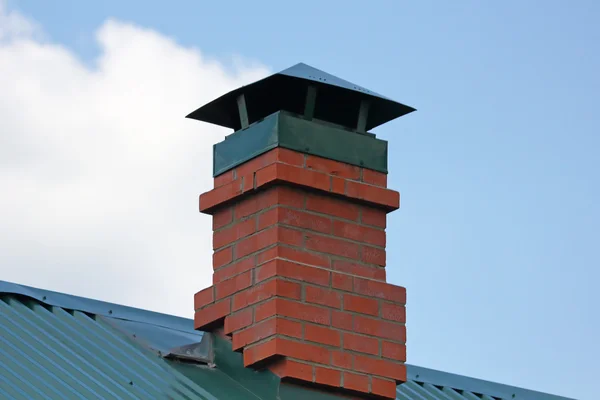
(299, 280)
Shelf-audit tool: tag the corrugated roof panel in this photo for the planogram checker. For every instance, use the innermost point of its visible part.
(56, 346)
(51, 353)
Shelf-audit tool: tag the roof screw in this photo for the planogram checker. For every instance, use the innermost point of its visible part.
(306, 149)
(110, 311)
(361, 163)
(131, 383)
(44, 298)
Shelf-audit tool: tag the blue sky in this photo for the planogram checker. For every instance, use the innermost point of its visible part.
(497, 238)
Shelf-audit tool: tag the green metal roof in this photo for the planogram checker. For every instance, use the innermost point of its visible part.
(56, 346)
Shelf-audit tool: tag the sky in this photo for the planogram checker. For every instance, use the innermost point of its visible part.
(497, 237)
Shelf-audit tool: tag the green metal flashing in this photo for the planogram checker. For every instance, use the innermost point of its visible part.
(282, 129)
(263, 383)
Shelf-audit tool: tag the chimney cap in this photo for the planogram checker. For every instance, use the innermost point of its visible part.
(337, 101)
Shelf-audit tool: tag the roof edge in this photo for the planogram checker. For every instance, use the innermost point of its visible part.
(475, 385)
(98, 307)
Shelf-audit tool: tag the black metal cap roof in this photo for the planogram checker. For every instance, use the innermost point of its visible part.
(337, 101)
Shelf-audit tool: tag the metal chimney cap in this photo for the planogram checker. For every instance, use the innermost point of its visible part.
(337, 101)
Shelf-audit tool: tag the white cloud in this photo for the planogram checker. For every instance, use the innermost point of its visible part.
(13, 24)
(100, 171)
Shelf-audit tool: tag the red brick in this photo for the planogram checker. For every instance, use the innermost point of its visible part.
(321, 334)
(286, 368)
(394, 351)
(338, 185)
(289, 196)
(292, 270)
(301, 256)
(263, 291)
(264, 329)
(333, 246)
(328, 376)
(253, 165)
(291, 157)
(260, 352)
(292, 174)
(387, 198)
(248, 183)
(303, 351)
(268, 218)
(304, 220)
(359, 233)
(289, 328)
(341, 359)
(303, 177)
(323, 296)
(356, 382)
(284, 347)
(222, 218)
(289, 236)
(254, 294)
(265, 310)
(224, 178)
(374, 177)
(255, 203)
(379, 328)
(365, 271)
(341, 320)
(364, 305)
(268, 254)
(394, 312)
(292, 309)
(374, 217)
(303, 311)
(219, 195)
(291, 290)
(373, 255)
(383, 387)
(211, 314)
(362, 344)
(222, 257)
(266, 270)
(341, 281)
(237, 321)
(229, 235)
(381, 290)
(331, 206)
(276, 155)
(256, 242)
(331, 167)
(233, 285)
(204, 297)
(279, 195)
(377, 366)
(234, 269)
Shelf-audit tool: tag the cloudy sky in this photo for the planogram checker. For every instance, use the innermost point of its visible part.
(497, 239)
(100, 169)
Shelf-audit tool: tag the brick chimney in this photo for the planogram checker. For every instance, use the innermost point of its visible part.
(299, 211)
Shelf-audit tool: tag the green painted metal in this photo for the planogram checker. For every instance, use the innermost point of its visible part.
(56, 346)
(48, 352)
(337, 101)
(283, 129)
